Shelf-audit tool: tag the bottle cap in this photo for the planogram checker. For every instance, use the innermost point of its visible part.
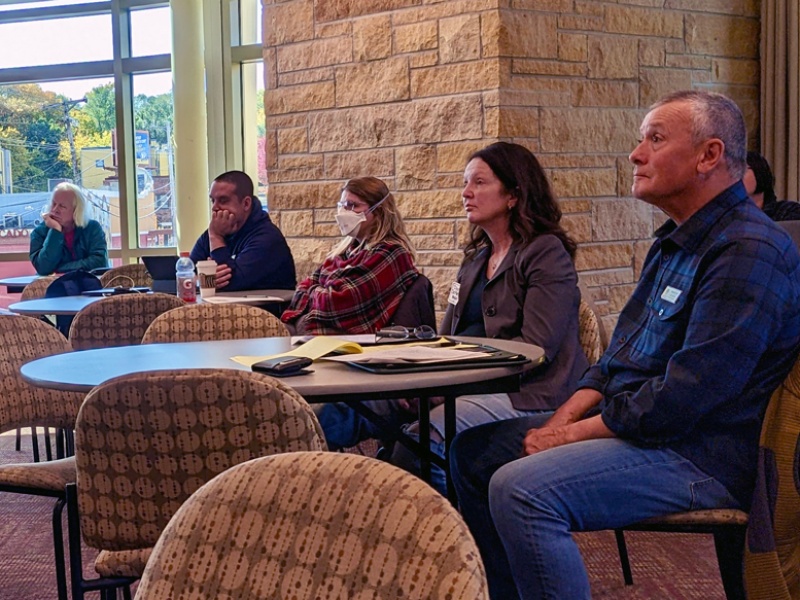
(185, 253)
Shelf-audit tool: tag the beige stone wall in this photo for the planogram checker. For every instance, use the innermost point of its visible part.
(406, 89)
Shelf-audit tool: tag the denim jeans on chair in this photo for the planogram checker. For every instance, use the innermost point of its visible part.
(470, 411)
(522, 510)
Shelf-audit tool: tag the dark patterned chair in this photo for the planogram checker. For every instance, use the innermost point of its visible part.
(23, 339)
(134, 275)
(315, 525)
(145, 442)
(200, 322)
(118, 320)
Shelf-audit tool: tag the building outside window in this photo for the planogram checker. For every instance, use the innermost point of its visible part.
(98, 111)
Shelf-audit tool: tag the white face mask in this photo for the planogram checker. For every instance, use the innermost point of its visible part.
(349, 221)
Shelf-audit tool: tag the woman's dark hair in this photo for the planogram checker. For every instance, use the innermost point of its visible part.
(765, 180)
(536, 211)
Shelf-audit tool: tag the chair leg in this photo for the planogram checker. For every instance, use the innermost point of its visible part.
(48, 447)
(60, 443)
(729, 543)
(624, 562)
(58, 549)
(35, 444)
(69, 436)
(74, 529)
(18, 442)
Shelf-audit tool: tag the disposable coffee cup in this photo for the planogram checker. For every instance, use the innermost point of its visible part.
(207, 276)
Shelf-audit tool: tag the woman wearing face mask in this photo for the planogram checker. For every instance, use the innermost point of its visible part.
(66, 239)
(359, 285)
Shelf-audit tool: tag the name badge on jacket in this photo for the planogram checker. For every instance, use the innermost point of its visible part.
(671, 294)
(453, 297)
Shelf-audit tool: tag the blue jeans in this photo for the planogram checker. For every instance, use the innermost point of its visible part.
(522, 511)
(344, 427)
(470, 411)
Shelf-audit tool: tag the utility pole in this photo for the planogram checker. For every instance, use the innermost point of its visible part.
(66, 106)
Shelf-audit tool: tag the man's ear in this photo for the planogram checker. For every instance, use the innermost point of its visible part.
(247, 202)
(713, 151)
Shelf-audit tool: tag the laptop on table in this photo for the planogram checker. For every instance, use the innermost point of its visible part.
(162, 271)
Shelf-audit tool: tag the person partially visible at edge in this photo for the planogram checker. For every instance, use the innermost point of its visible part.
(711, 329)
(360, 283)
(760, 185)
(67, 239)
(250, 251)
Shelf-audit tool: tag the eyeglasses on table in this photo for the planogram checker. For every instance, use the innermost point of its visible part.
(398, 332)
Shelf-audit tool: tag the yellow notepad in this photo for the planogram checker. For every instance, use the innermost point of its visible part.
(313, 349)
(322, 345)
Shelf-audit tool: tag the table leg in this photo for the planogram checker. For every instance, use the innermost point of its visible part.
(449, 434)
(425, 438)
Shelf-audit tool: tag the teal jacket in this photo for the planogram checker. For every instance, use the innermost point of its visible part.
(49, 253)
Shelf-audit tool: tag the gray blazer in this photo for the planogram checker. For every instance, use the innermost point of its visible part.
(533, 297)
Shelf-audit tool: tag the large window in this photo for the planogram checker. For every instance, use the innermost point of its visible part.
(61, 118)
(86, 96)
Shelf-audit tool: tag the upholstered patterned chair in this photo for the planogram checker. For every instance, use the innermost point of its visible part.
(200, 322)
(315, 525)
(772, 529)
(589, 333)
(32, 291)
(118, 320)
(145, 442)
(37, 287)
(134, 275)
(772, 549)
(23, 339)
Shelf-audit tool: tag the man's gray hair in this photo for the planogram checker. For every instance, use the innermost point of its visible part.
(715, 116)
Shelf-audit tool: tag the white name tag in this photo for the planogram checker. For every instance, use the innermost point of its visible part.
(453, 297)
(671, 294)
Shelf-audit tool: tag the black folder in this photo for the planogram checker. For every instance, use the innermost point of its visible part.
(497, 358)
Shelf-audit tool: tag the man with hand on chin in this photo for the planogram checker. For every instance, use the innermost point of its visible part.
(669, 418)
(250, 251)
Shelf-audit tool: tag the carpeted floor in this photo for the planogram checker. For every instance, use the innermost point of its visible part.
(665, 566)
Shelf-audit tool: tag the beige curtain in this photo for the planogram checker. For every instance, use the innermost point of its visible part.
(780, 93)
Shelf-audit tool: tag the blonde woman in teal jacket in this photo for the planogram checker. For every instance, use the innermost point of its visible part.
(66, 240)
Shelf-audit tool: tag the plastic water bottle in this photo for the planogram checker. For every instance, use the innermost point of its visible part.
(184, 275)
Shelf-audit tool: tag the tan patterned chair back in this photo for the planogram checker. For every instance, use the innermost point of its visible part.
(134, 275)
(772, 550)
(589, 333)
(318, 525)
(23, 339)
(38, 287)
(199, 322)
(118, 320)
(145, 442)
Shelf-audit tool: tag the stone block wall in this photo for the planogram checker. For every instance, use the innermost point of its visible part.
(405, 90)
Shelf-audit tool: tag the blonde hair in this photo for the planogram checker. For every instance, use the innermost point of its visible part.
(388, 224)
(80, 212)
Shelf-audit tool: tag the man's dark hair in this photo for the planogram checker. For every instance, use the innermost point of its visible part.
(765, 180)
(240, 180)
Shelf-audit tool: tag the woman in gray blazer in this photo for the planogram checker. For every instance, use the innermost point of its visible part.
(517, 282)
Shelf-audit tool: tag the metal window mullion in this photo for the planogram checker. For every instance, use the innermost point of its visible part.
(219, 87)
(126, 164)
